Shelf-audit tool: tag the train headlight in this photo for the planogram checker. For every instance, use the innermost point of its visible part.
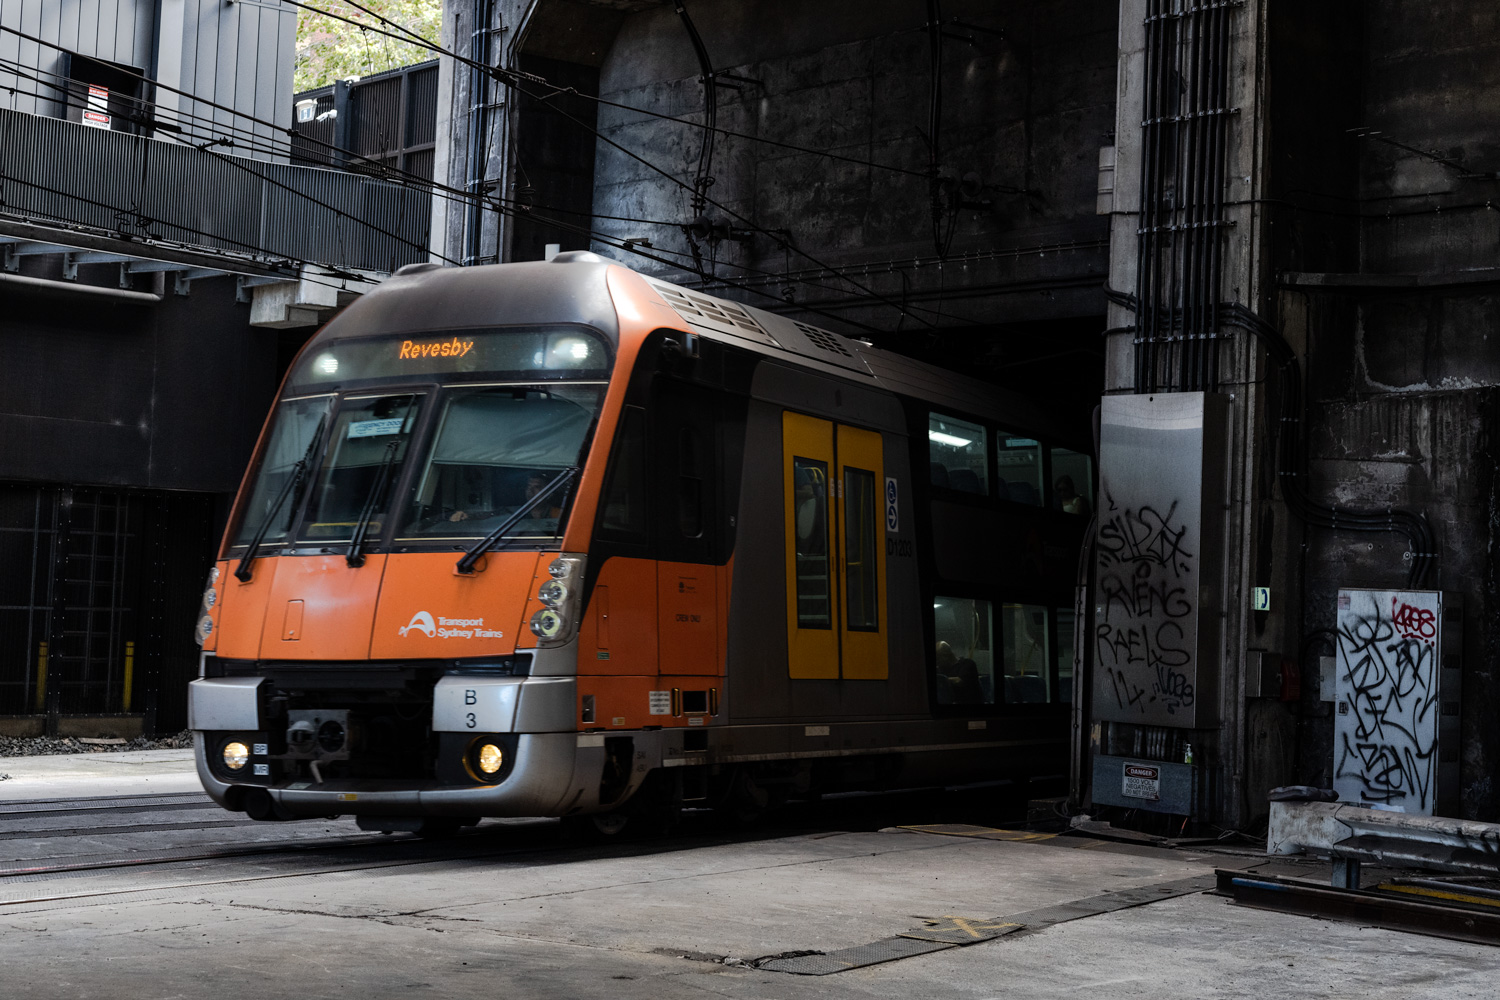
(553, 593)
(488, 759)
(235, 755)
(205, 626)
(556, 622)
(547, 624)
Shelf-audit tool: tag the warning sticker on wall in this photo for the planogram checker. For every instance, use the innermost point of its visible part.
(96, 112)
(660, 702)
(1142, 781)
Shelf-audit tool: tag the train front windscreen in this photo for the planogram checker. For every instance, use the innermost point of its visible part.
(427, 440)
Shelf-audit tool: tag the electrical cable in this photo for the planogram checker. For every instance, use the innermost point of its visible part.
(614, 242)
(232, 161)
(509, 78)
(631, 248)
(275, 147)
(618, 243)
(1289, 460)
(556, 89)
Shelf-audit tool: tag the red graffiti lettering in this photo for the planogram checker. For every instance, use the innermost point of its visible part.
(1414, 623)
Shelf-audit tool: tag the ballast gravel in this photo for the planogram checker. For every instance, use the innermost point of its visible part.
(37, 746)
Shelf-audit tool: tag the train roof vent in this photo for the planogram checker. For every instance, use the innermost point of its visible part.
(825, 340)
(717, 314)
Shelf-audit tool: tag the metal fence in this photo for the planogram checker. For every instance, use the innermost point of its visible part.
(60, 171)
(390, 118)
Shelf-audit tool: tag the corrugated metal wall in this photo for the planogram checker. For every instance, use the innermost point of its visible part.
(123, 183)
(239, 55)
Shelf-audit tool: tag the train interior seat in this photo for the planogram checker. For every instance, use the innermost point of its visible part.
(966, 480)
(1023, 492)
(939, 474)
(1024, 689)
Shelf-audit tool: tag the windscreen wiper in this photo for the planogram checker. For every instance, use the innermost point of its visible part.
(356, 556)
(299, 470)
(466, 564)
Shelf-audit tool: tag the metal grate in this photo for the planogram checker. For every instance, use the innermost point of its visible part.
(715, 312)
(823, 339)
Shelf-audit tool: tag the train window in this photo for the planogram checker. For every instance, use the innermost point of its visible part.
(494, 450)
(689, 482)
(1065, 621)
(294, 438)
(625, 497)
(965, 651)
(810, 538)
(1019, 469)
(1028, 665)
(364, 456)
(1072, 482)
(860, 551)
(958, 452)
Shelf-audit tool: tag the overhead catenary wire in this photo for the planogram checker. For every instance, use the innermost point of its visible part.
(510, 78)
(230, 160)
(276, 260)
(630, 248)
(416, 39)
(614, 242)
(253, 141)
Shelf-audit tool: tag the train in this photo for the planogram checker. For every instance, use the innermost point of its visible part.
(561, 539)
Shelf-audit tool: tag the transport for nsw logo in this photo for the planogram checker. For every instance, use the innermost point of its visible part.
(422, 622)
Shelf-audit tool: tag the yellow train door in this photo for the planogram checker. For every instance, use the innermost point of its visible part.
(835, 577)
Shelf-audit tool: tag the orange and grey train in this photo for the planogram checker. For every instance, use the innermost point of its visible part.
(559, 539)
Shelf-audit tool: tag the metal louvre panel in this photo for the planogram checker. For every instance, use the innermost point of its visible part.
(420, 163)
(123, 183)
(376, 107)
(421, 116)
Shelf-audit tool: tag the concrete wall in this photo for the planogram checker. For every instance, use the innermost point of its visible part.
(117, 394)
(1403, 366)
(1026, 107)
(1025, 111)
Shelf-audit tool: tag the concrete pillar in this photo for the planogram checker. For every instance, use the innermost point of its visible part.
(1247, 749)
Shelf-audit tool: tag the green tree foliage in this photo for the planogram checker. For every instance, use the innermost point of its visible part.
(329, 50)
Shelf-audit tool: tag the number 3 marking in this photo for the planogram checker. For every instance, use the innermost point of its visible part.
(471, 722)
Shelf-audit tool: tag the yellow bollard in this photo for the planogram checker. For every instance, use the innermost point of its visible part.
(129, 675)
(41, 677)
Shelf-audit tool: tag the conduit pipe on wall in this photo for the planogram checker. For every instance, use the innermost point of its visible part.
(91, 291)
(478, 144)
(1289, 462)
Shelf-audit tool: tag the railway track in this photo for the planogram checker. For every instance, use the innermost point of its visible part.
(67, 850)
(55, 851)
(53, 836)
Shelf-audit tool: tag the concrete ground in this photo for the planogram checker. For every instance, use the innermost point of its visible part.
(509, 911)
(80, 775)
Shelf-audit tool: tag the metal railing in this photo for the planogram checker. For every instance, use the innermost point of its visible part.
(144, 188)
(1352, 834)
